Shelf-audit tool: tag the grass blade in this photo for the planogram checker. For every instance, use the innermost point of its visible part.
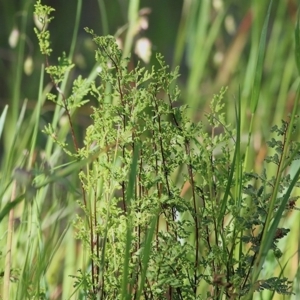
(2, 119)
(257, 78)
(129, 196)
(269, 231)
(297, 43)
(146, 255)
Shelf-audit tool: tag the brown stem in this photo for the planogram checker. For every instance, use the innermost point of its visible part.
(192, 182)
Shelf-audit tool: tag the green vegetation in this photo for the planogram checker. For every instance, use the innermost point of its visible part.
(173, 187)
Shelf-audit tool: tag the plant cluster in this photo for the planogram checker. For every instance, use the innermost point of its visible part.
(168, 207)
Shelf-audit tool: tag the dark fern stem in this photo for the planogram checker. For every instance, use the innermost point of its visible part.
(192, 183)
